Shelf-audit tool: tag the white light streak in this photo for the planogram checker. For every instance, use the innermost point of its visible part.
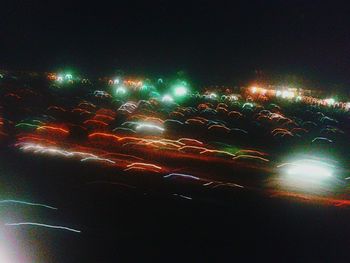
(43, 225)
(26, 203)
(181, 175)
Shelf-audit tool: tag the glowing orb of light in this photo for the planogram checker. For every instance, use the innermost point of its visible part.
(59, 78)
(285, 94)
(4, 257)
(120, 91)
(308, 176)
(254, 90)
(116, 81)
(9, 251)
(330, 101)
(180, 91)
(167, 99)
(278, 93)
(309, 168)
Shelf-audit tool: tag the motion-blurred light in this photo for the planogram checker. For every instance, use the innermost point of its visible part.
(180, 91)
(120, 91)
(167, 99)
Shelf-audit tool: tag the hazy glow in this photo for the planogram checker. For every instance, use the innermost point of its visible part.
(286, 94)
(233, 97)
(347, 106)
(4, 255)
(180, 91)
(10, 249)
(307, 168)
(167, 98)
(308, 176)
(330, 101)
(68, 76)
(120, 91)
(254, 89)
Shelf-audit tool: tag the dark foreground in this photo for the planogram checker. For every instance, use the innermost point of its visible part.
(122, 224)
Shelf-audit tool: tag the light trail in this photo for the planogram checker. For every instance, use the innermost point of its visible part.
(229, 184)
(181, 175)
(53, 128)
(26, 203)
(96, 122)
(217, 151)
(183, 196)
(145, 164)
(247, 156)
(96, 158)
(42, 225)
(37, 148)
(148, 126)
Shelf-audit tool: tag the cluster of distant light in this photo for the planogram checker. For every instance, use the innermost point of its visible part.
(145, 136)
(176, 92)
(293, 94)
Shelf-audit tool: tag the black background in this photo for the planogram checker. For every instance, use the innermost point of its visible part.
(212, 41)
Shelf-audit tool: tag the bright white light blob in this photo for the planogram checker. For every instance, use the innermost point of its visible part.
(254, 89)
(167, 99)
(120, 91)
(10, 249)
(308, 168)
(180, 91)
(308, 176)
(4, 256)
(278, 93)
(330, 101)
(347, 106)
(286, 94)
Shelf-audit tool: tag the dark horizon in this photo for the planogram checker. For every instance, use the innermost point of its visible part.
(213, 42)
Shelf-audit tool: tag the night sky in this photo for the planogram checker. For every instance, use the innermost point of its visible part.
(212, 41)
